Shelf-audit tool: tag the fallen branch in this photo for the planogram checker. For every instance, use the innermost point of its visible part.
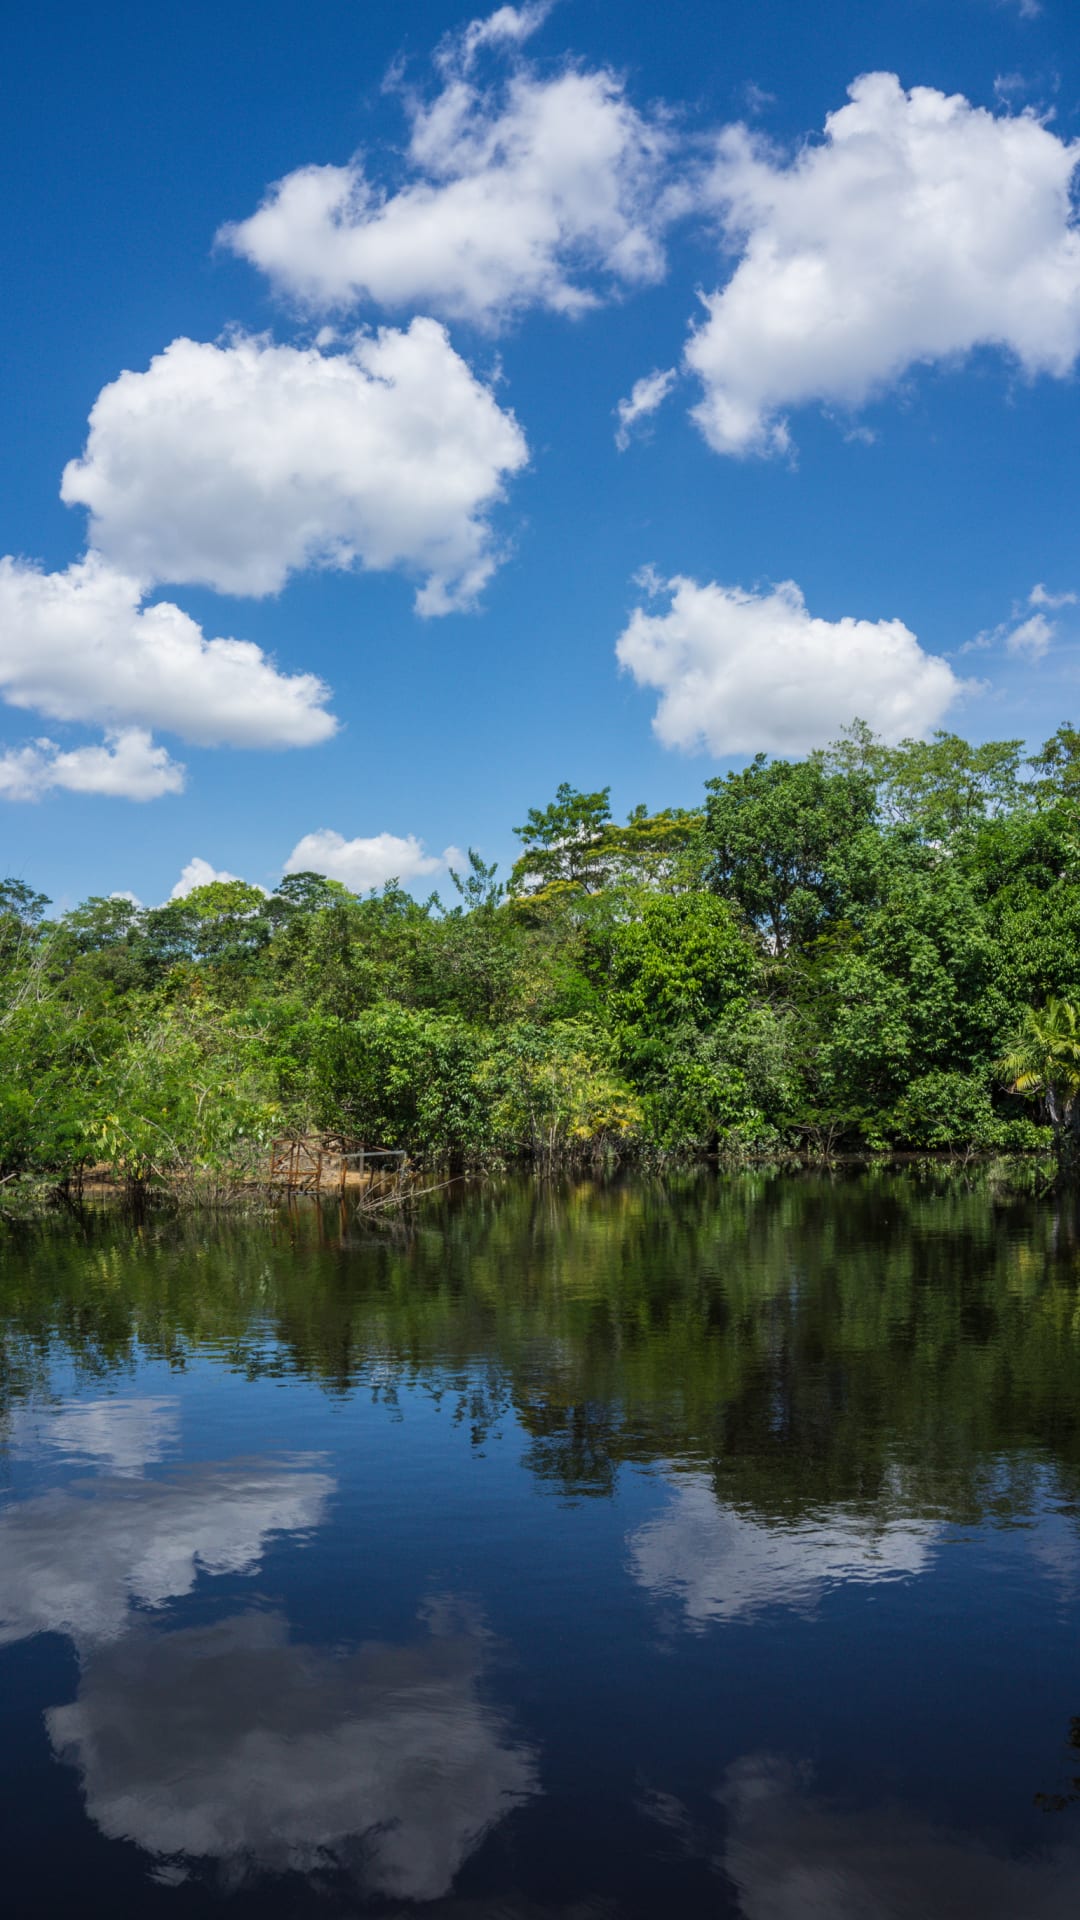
(401, 1199)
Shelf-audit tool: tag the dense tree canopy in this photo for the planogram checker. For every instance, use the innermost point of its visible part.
(835, 952)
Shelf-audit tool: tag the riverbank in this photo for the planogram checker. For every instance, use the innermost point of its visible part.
(35, 1197)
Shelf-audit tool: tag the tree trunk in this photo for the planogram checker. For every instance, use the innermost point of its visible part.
(1067, 1145)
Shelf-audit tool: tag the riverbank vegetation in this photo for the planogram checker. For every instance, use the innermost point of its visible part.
(846, 953)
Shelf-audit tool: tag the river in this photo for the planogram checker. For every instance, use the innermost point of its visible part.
(574, 1552)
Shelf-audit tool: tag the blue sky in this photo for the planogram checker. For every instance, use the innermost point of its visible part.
(364, 421)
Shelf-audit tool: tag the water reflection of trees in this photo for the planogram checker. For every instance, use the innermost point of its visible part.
(806, 1342)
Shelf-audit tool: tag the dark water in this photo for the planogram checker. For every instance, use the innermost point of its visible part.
(709, 1549)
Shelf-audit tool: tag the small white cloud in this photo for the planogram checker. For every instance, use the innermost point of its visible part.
(1031, 639)
(1028, 638)
(361, 864)
(542, 191)
(741, 672)
(81, 645)
(199, 873)
(649, 580)
(757, 99)
(126, 766)
(918, 228)
(234, 466)
(647, 395)
(1041, 597)
(506, 27)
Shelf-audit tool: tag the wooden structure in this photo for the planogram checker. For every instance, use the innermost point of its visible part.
(325, 1163)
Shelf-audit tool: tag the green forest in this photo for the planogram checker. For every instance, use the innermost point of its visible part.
(874, 949)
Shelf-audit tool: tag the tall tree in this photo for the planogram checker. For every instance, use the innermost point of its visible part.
(774, 835)
(944, 785)
(565, 843)
(1057, 767)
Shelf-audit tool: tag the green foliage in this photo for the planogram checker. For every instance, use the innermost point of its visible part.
(573, 846)
(676, 972)
(480, 890)
(944, 786)
(830, 954)
(19, 903)
(1043, 1063)
(302, 893)
(554, 1093)
(21, 913)
(1057, 767)
(775, 833)
(672, 959)
(938, 1106)
(565, 843)
(399, 1077)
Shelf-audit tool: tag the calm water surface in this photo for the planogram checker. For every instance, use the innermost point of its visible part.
(701, 1549)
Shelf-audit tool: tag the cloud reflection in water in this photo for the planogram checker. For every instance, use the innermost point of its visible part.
(231, 1744)
(234, 1745)
(78, 1562)
(124, 1434)
(793, 1856)
(722, 1565)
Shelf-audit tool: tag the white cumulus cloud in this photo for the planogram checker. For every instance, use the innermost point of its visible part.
(506, 27)
(1040, 596)
(544, 191)
(81, 645)
(646, 396)
(234, 465)
(741, 672)
(361, 863)
(1028, 636)
(920, 227)
(1031, 639)
(198, 873)
(127, 766)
